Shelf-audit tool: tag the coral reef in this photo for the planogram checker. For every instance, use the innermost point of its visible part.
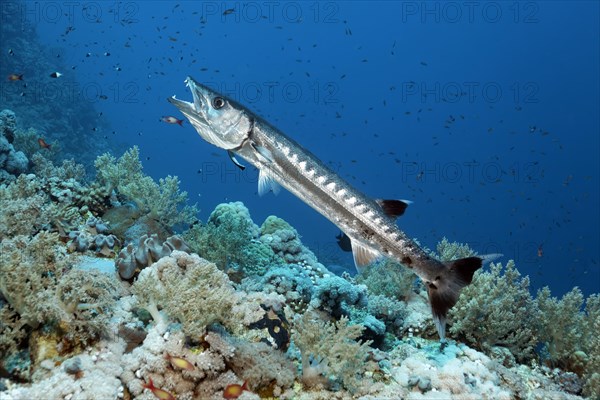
(257, 308)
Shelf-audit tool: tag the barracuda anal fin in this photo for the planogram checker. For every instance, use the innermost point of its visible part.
(363, 254)
(266, 183)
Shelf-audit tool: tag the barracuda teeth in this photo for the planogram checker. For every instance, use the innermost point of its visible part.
(302, 165)
(351, 200)
(321, 179)
(331, 186)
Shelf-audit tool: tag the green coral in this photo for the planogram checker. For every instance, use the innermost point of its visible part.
(570, 334)
(562, 321)
(388, 278)
(448, 251)
(592, 347)
(330, 349)
(285, 242)
(273, 224)
(229, 239)
(162, 201)
(497, 310)
(189, 289)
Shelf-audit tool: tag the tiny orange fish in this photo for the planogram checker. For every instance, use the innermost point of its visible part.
(540, 251)
(234, 390)
(172, 120)
(159, 393)
(179, 362)
(43, 144)
(15, 77)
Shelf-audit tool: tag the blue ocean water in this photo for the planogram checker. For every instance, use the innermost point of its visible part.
(485, 115)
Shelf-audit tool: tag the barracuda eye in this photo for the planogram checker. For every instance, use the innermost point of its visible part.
(218, 102)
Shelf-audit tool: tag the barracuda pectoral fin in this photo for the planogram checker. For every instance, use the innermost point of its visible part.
(233, 159)
(266, 183)
(394, 208)
(264, 154)
(363, 255)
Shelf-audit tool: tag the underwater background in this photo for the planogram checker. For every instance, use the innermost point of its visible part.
(485, 115)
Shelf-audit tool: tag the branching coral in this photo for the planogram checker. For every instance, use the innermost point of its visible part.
(162, 201)
(330, 349)
(498, 310)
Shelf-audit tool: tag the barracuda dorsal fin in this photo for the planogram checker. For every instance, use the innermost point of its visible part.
(266, 183)
(393, 208)
(363, 255)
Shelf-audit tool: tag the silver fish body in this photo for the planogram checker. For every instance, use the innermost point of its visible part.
(369, 224)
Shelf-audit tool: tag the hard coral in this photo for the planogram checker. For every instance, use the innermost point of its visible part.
(498, 310)
(285, 241)
(12, 162)
(334, 295)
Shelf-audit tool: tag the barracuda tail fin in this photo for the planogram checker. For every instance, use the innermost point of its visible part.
(444, 291)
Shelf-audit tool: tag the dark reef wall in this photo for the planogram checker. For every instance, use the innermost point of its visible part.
(54, 107)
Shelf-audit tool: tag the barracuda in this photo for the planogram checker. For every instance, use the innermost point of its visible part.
(370, 224)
